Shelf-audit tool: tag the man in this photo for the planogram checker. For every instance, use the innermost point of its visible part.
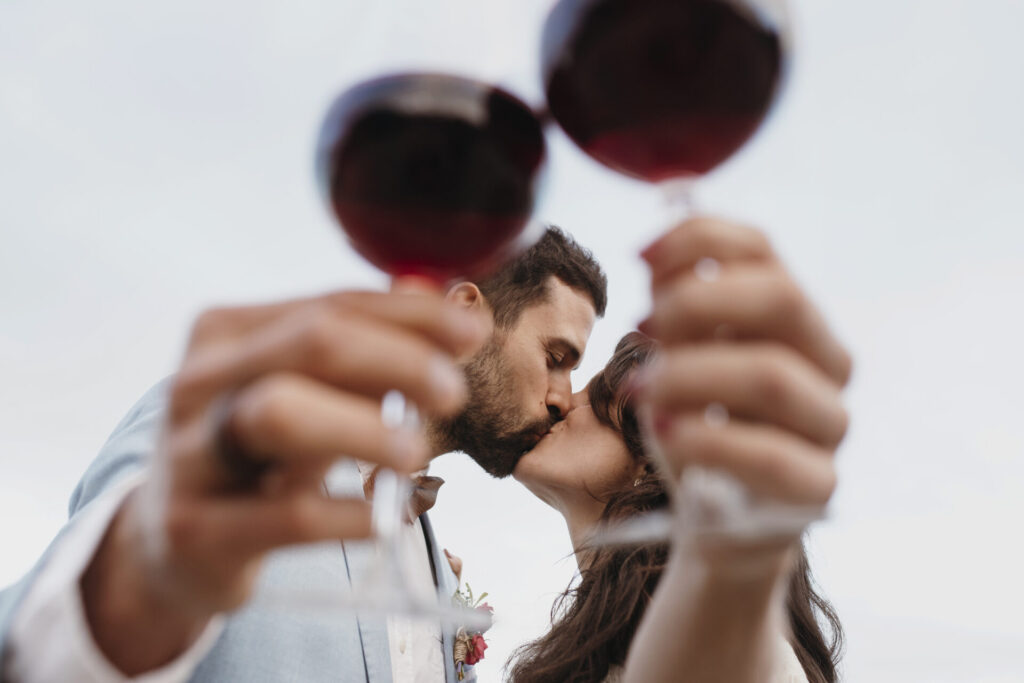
(172, 524)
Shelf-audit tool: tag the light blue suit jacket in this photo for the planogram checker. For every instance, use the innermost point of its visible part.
(260, 644)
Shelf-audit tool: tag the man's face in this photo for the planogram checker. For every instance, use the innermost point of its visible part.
(519, 384)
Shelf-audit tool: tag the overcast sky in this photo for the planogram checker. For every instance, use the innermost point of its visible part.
(156, 158)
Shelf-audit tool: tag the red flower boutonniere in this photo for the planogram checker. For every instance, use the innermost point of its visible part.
(470, 643)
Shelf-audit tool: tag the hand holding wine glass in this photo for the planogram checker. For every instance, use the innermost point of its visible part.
(665, 91)
(750, 342)
(291, 385)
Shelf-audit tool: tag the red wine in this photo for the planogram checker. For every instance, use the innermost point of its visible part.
(430, 175)
(660, 89)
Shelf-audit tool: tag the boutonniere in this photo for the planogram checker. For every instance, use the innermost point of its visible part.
(469, 642)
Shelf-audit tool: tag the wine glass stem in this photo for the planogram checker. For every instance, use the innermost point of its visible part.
(391, 490)
(679, 196)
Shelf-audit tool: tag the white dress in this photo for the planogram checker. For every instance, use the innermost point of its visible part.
(787, 667)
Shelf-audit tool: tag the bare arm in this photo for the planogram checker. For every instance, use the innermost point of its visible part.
(711, 622)
(747, 339)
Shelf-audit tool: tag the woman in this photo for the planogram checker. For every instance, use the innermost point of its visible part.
(593, 468)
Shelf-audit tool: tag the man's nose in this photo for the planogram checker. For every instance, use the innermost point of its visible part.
(560, 398)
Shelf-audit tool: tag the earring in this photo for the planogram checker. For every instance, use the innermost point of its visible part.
(636, 482)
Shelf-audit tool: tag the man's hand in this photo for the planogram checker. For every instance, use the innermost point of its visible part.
(295, 385)
(736, 330)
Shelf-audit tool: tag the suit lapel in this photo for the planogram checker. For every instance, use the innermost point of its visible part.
(447, 584)
(373, 633)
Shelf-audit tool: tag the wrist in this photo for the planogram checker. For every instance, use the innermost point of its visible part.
(132, 619)
(731, 561)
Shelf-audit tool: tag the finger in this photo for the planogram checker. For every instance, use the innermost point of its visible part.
(755, 382)
(292, 417)
(292, 429)
(769, 461)
(295, 427)
(681, 248)
(452, 329)
(242, 528)
(747, 302)
(354, 354)
(295, 480)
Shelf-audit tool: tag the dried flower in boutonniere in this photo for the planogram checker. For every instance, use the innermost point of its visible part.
(469, 644)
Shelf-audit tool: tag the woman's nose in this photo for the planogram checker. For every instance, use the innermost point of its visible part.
(580, 398)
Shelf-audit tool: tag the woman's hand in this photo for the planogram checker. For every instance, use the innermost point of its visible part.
(737, 331)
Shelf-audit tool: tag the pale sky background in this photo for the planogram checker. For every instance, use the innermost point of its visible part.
(156, 158)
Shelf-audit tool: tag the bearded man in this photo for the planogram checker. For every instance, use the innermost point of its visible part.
(172, 527)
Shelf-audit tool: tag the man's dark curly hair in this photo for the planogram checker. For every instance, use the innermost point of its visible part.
(524, 281)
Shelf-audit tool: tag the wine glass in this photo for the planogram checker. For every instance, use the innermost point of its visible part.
(433, 178)
(664, 91)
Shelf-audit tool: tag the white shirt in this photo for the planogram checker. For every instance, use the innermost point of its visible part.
(414, 645)
(50, 642)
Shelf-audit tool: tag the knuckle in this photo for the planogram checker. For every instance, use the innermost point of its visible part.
(845, 366)
(842, 426)
(772, 381)
(789, 302)
(683, 302)
(692, 238)
(185, 393)
(301, 518)
(209, 323)
(694, 444)
(263, 410)
(323, 337)
(181, 390)
(182, 528)
(829, 483)
(771, 466)
(342, 302)
(759, 241)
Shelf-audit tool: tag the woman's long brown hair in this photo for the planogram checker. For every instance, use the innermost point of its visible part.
(594, 621)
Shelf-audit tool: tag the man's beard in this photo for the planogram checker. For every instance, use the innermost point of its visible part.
(490, 429)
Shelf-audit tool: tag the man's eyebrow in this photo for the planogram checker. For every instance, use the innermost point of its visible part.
(570, 350)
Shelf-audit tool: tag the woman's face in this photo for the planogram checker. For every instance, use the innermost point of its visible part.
(578, 460)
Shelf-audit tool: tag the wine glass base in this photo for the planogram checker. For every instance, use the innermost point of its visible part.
(373, 607)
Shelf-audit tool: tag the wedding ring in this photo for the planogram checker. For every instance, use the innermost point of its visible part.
(242, 467)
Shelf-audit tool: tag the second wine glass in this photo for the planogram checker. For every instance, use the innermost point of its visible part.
(665, 91)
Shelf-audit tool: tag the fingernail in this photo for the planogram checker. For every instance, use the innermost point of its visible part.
(638, 381)
(707, 269)
(651, 252)
(446, 381)
(661, 423)
(408, 448)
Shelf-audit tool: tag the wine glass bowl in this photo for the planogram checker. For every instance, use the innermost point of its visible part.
(430, 174)
(662, 89)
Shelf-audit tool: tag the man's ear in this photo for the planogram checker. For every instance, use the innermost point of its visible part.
(467, 295)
